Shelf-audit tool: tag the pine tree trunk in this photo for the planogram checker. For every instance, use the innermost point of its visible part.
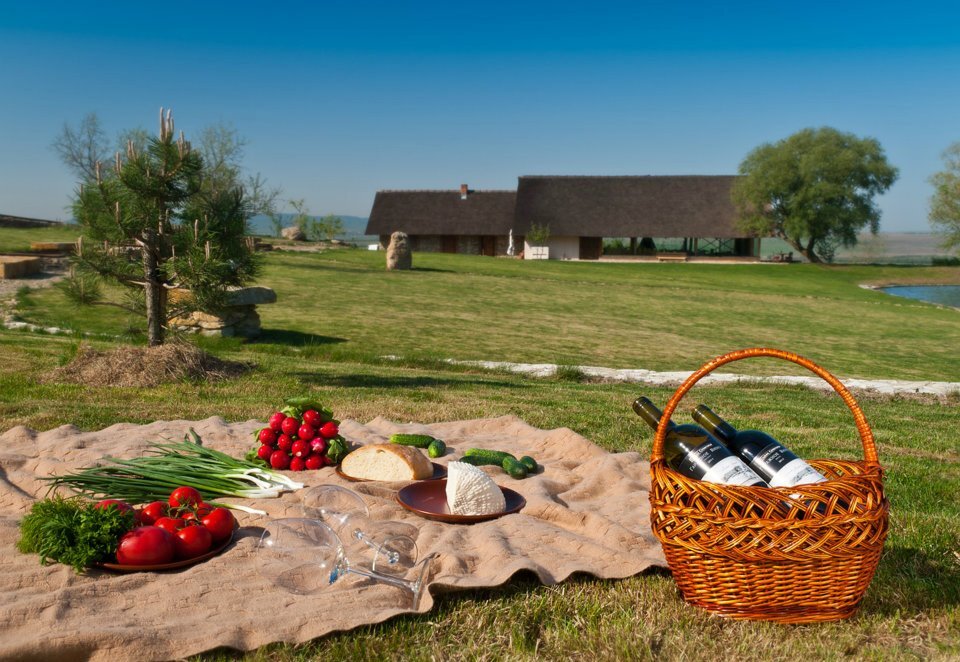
(153, 289)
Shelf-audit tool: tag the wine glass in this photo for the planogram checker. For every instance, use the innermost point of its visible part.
(304, 555)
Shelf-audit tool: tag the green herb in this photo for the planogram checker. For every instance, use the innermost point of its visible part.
(337, 448)
(73, 531)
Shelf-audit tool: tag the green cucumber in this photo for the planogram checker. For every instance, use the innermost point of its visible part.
(495, 458)
(436, 448)
(529, 463)
(513, 467)
(418, 440)
(475, 461)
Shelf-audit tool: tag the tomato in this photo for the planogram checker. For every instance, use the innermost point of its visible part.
(276, 420)
(314, 462)
(300, 449)
(197, 512)
(122, 506)
(279, 460)
(267, 436)
(146, 545)
(192, 541)
(290, 425)
(284, 442)
(185, 496)
(312, 418)
(329, 430)
(264, 452)
(170, 524)
(152, 512)
(319, 445)
(220, 522)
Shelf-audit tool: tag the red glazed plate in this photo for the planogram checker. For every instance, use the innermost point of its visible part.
(429, 499)
(116, 567)
(439, 471)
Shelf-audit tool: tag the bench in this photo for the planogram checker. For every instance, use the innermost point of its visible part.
(671, 257)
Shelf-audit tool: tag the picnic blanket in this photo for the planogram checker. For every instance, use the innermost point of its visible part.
(586, 512)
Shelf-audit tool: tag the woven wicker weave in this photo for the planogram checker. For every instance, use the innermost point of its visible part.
(794, 555)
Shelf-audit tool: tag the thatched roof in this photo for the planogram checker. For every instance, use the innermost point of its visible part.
(649, 206)
(442, 213)
(22, 222)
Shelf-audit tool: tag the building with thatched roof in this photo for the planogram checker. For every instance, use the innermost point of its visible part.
(577, 212)
(8, 221)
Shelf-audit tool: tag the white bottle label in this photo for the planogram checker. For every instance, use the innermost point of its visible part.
(796, 472)
(731, 471)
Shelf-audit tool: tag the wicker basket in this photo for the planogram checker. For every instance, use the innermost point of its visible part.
(793, 555)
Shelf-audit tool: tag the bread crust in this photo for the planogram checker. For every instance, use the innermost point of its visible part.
(362, 462)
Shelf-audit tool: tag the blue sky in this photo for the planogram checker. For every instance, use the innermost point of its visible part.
(340, 99)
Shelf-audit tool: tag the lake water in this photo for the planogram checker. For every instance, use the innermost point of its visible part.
(945, 295)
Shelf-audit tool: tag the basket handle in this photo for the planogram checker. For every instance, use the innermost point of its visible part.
(866, 435)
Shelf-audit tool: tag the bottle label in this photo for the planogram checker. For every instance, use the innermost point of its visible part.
(713, 463)
(782, 468)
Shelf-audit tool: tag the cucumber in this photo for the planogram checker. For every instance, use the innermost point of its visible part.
(490, 457)
(418, 440)
(513, 467)
(475, 461)
(529, 463)
(436, 448)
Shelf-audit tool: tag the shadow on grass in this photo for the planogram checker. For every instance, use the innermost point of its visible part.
(379, 381)
(294, 338)
(909, 579)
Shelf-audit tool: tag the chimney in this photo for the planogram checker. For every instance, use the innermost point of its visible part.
(463, 191)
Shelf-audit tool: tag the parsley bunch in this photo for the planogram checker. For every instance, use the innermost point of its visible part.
(73, 531)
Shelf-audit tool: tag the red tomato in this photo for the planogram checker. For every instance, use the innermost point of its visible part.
(197, 512)
(185, 496)
(220, 522)
(318, 445)
(264, 452)
(122, 506)
(314, 462)
(312, 418)
(290, 425)
(276, 420)
(170, 524)
(279, 460)
(284, 442)
(297, 464)
(267, 436)
(300, 449)
(193, 541)
(146, 545)
(152, 512)
(329, 430)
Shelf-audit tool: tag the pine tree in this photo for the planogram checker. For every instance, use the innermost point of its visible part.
(151, 225)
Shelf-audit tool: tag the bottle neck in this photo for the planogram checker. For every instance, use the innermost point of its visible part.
(650, 413)
(714, 423)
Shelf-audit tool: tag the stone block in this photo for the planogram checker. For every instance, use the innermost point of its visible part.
(12, 266)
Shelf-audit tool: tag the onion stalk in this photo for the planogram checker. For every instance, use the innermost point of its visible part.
(168, 466)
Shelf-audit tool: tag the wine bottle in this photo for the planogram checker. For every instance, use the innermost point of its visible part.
(775, 463)
(693, 452)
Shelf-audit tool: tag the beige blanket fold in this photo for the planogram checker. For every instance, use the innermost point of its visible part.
(587, 511)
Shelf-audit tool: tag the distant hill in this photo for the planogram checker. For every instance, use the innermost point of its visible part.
(353, 226)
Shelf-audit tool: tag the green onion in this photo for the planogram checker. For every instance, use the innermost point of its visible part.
(172, 465)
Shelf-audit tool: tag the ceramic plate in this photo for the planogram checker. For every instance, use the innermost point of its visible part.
(439, 471)
(429, 499)
(116, 567)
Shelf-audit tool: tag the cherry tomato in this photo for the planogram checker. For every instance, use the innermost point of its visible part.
(314, 461)
(276, 420)
(279, 460)
(329, 430)
(220, 522)
(312, 418)
(267, 436)
(185, 496)
(170, 524)
(146, 545)
(264, 452)
(290, 425)
(153, 511)
(193, 541)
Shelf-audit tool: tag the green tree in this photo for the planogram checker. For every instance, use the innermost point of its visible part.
(945, 202)
(150, 224)
(313, 228)
(814, 189)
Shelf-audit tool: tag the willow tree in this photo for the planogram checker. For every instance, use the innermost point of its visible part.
(151, 225)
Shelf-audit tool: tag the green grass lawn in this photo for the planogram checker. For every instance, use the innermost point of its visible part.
(17, 240)
(338, 313)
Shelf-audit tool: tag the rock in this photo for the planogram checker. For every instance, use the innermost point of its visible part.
(251, 296)
(398, 252)
(293, 233)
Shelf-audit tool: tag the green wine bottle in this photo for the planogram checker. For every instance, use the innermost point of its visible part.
(693, 452)
(773, 461)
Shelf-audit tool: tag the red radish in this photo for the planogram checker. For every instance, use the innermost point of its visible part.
(170, 524)
(276, 420)
(329, 430)
(264, 452)
(122, 506)
(312, 418)
(306, 432)
(314, 462)
(220, 522)
(185, 496)
(267, 436)
(297, 464)
(152, 512)
(290, 425)
(318, 445)
(284, 442)
(327, 460)
(193, 541)
(146, 545)
(300, 448)
(279, 460)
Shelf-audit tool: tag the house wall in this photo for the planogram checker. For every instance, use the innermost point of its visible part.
(561, 248)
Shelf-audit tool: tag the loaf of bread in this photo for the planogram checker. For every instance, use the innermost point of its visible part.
(387, 462)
